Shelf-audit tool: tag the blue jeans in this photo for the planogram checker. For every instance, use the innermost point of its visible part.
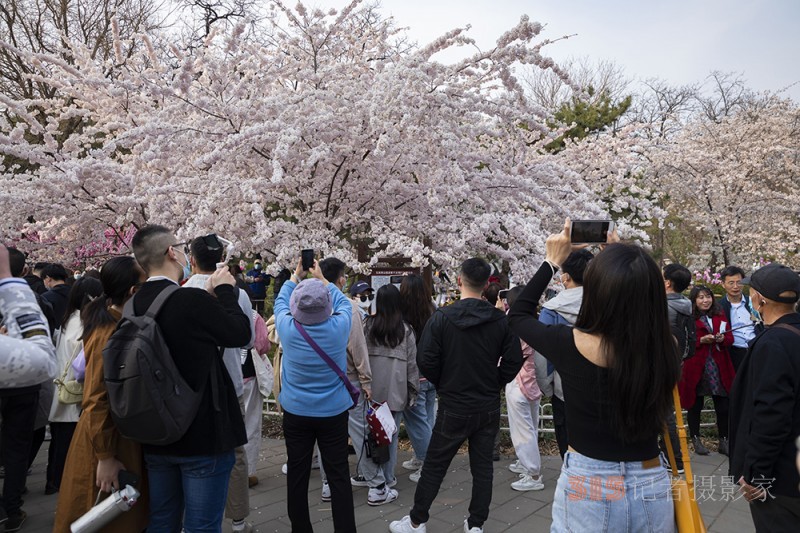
(189, 489)
(420, 418)
(593, 495)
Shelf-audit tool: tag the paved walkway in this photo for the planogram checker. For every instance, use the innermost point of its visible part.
(511, 511)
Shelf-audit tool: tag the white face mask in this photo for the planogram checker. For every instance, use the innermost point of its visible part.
(364, 305)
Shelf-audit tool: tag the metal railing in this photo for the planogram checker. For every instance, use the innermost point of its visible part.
(545, 417)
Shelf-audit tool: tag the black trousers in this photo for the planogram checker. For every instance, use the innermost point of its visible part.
(560, 424)
(778, 515)
(449, 433)
(737, 356)
(18, 413)
(60, 438)
(721, 408)
(330, 433)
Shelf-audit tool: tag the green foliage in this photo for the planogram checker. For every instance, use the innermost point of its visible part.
(585, 116)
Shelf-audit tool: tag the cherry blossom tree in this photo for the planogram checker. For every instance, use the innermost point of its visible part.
(733, 177)
(329, 134)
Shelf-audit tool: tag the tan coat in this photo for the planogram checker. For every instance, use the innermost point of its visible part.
(97, 438)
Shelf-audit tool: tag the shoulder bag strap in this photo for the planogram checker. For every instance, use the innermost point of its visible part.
(325, 357)
(788, 328)
(681, 429)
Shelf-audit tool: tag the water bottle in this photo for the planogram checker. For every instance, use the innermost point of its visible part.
(101, 514)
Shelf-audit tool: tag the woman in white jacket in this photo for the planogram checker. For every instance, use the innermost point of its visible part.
(64, 416)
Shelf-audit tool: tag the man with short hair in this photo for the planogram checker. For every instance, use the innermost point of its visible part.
(188, 479)
(468, 353)
(679, 310)
(765, 405)
(54, 276)
(206, 252)
(739, 311)
(34, 277)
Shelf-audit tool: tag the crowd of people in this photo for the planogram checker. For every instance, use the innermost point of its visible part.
(353, 364)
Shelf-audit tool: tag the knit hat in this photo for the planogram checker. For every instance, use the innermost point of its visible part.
(311, 302)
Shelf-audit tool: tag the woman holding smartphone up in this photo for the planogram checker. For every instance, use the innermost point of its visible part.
(618, 367)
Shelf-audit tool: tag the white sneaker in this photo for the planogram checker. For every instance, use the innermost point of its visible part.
(412, 464)
(528, 482)
(315, 462)
(404, 526)
(391, 483)
(381, 496)
(326, 492)
(517, 467)
(468, 529)
(244, 527)
(414, 477)
(284, 469)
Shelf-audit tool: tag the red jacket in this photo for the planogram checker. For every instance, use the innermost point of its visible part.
(694, 366)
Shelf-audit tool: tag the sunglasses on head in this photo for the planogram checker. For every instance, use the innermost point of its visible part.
(365, 297)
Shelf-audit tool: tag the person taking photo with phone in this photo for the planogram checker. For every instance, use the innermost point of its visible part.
(618, 367)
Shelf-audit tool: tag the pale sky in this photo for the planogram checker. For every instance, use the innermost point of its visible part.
(680, 41)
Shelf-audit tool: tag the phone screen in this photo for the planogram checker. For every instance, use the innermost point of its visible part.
(307, 257)
(590, 231)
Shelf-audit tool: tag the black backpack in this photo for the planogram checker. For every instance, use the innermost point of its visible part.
(148, 398)
(687, 335)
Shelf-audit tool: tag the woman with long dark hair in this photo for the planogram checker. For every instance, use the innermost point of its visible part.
(417, 307)
(98, 452)
(395, 377)
(710, 371)
(64, 416)
(618, 367)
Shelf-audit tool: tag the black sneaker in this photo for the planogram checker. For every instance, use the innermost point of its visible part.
(15, 521)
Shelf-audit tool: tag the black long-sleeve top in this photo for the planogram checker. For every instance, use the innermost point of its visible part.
(585, 384)
(194, 324)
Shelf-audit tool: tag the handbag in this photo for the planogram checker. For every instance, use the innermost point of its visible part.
(687, 513)
(70, 391)
(354, 392)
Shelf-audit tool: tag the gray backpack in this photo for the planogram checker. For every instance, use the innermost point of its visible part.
(149, 400)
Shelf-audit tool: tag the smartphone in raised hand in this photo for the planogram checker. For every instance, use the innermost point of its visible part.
(590, 231)
(307, 259)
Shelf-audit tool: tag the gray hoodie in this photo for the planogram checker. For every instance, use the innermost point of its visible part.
(562, 309)
(681, 321)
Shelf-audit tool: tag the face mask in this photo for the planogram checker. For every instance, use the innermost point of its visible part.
(257, 267)
(365, 304)
(187, 269)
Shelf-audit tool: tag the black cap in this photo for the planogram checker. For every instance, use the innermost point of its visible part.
(773, 279)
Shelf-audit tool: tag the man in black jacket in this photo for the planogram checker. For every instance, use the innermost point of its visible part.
(766, 397)
(55, 279)
(189, 478)
(469, 353)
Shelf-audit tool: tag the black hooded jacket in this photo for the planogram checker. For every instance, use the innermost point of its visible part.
(469, 353)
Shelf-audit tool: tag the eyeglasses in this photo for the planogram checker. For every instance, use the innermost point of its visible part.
(364, 297)
(184, 244)
(734, 283)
